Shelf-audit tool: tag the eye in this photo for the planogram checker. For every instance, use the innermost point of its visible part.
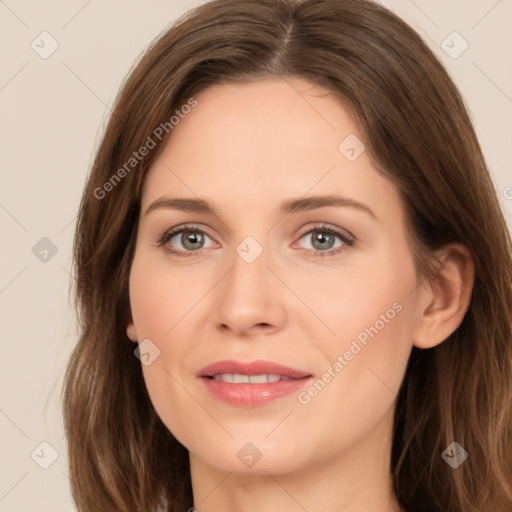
(322, 240)
(185, 240)
(190, 240)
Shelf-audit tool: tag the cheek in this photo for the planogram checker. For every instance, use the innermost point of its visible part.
(372, 302)
(160, 300)
(159, 297)
(372, 315)
(359, 385)
(366, 360)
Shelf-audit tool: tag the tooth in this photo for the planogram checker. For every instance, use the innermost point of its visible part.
(240, 379)
(258, 379)
(237, 378)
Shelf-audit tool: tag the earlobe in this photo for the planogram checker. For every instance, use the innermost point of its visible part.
(131, 332)
(445, 297)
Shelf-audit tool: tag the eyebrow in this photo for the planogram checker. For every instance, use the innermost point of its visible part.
(288, 206)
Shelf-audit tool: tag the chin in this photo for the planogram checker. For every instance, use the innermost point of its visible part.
(257, 457)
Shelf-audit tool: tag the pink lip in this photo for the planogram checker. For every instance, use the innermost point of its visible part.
(247, 394)
(251, 368)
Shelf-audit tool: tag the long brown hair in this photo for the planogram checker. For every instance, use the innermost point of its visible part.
(418, 134)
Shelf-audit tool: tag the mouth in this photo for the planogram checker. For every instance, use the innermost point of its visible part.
(252, 384)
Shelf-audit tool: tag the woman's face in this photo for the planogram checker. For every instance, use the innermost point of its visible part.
(300, 289)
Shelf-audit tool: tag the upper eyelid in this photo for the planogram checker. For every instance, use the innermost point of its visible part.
(345, 236)
(188, 227)
(172, 232)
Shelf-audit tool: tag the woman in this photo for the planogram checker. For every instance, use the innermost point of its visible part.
(293, 275)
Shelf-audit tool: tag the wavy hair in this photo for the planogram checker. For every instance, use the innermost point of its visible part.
(418, 135)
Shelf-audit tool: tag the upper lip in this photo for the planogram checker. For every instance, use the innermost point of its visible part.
(258, 367)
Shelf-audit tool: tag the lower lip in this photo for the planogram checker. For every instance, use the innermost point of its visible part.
(253, 395)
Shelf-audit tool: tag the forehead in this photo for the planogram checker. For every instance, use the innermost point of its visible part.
(265, 140)
(291, 109)
(275, 120)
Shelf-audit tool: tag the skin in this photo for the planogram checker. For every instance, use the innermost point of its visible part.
(246, 148)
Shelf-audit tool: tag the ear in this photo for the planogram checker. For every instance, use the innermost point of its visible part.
(445, 298)
(131, 331)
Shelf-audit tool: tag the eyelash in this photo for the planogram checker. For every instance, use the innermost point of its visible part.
(347, 240)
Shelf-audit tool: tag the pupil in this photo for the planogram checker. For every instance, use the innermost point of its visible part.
(322, 238)
(191, 238)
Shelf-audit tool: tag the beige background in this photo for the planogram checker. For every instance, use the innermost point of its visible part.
(52, 114)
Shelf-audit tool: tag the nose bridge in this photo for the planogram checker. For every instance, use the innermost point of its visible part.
(250, 250)
(249, 266)
(245, 298)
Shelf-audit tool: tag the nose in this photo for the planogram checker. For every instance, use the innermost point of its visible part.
(250, 300)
